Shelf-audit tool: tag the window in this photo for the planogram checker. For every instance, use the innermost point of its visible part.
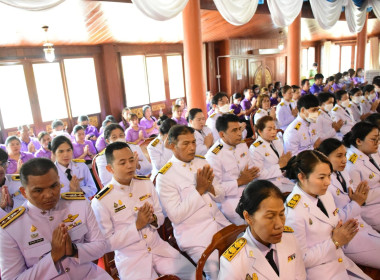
(50, 91)
(14, 105)
(308, 58)
(155, 78)
(136, 88)
(305, 69)
(82, 86)
(345, 58)
(176, 83)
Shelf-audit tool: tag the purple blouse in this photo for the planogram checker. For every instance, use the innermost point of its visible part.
(273, 101)
(315, 89)
(24, 145)
(237, 109)
(12, 166)
(123, 126)
(42, 153)
(145, 123)
(337, 87)
(79, 148)
(246, 104)
(359, 80)
(181, 121)
(132, 135)
(2, 146)
(100, 143)
(303, 92)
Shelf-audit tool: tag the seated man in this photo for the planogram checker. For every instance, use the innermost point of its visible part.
(188, 194)
(129, 213)
(113, 133)
(52, 236)
(28, 144)
(342, 111)
(232, 164)
(221, 106)
(301, 134)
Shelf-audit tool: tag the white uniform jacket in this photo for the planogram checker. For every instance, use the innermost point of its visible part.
(261, 113)
(12, 181)
(365, 107)
(195, 218)
(349, 209)
(159, 155)
(300, 136)
(115, 209)
(200, 140)
(361, 169)
(284, 114)
(26, 243)
(313, 229)
(266, 159)
(324, 126)
(80, 170)
(339, 113)
(250, 261)
(227, 163)
(356, 111)
(211, 123)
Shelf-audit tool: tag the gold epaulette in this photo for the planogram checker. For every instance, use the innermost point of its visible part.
(298, 125)
(103, 192)
(73, 195)
(16, 178)
(232, 251)
(349, 106)
(362, 101)
(217, 149)
(165, 168)
(129, 143)
(155, 142)
(78, 160)
(231, 111)
(140, 177)
(12, 216)
(102, 152)
(212, 115)
(294, 201)
(282, 104)
(288, 229)
(335, 109)
(199, 156)
(257, 143)
(258, 111)
(353, 158)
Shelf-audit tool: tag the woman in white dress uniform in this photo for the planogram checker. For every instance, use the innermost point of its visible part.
(366, 243)
(268, 248)
(312, 213)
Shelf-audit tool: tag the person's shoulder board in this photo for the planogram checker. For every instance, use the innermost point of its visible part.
(257, 143)
(199, 156)
(140, 177)
(12, 216)
(165, 168)
(232, 251)
(104, 192)
(78, 160)
(353, 158)
(335, 109)
(217, 149)
(155, 142)
(212, 115)
(298, 125)
(282, 104)
(73, 195)
(288, 229)
(294, 201)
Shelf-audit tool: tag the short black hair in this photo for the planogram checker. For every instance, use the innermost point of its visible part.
(56, 123)
(368, 88)
(277, 84)
(114, 147)
(109, 128)
(111, 118)
(11, 138)
(36, 167)
(82, 118)
(106, 122)
(339, 94)
(337, 77)
(215, 99)
(166, 125)
(353, 91)
(329, 145)
(359, 131)
(58, 141)
(177, 130)
(237, 95)
(3, 156)
(162, 119)
(374, 119)
(193, 112)
(325, 96)
(262, 122)
(304, 81)
(295, 87)
(307, 101)
(223, 120)
(77, 128)
(254, 193)
(318, 76)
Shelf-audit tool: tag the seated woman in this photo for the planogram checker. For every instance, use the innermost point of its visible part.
(158, 149)
(369, 103)
(100, 144)
(366, 242)
(267, 153)
(312, 213)
(73, 174)
(177, 115)
(16, 157)
(362, 142)
(268, 248)
(83, 149)
(358, 79)
(181, 102)
(238, 111)
(148, 122)
(357, 97)
(108, 119)
(114, 133)
(136, 133)
(125, 118)
(203, 135)
(44, 138)
(90, 131)
(58, 129)
(264, 109)
(338, 82)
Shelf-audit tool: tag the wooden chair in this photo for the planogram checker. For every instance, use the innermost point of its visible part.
(110, 266)
(371, 272)
(168, 277)
(220, 241)
(95, 171)
(144, 146)
(251, 117)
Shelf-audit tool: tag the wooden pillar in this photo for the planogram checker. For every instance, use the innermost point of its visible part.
(192, 47)
(361, 43)
(294, 52)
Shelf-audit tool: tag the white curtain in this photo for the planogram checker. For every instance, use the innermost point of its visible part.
(34, 5)
(375, 4)
(284, 12)
(160, 9)
(237, 12)
(355, 16)
(327, 13)
(373, 53)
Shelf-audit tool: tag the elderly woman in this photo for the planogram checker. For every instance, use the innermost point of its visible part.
(16, 157)
(149, 122)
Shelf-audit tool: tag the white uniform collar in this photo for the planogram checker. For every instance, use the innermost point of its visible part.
(34, 210)
(360, 154)
(117, 185)
(310, 197)
(229, 147)
(180, 162)
(63, 169)
(263, 249)
(286, 102)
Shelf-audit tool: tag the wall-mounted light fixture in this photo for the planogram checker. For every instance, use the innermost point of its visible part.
(48, 47)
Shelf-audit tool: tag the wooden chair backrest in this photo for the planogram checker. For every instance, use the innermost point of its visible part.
(251, 122)
(144, 146)
(220, 241)
(95, 172)
(110, 266)
(168, 277)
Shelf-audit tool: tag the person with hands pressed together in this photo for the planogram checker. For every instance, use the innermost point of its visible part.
(232, 164)
(203, 134)
(312, 213)
(53, 235)
(189, 195)
(327, 128)
(16, 157)
(28, 144)
(129, 213)
(287, 110)
(82, 148)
